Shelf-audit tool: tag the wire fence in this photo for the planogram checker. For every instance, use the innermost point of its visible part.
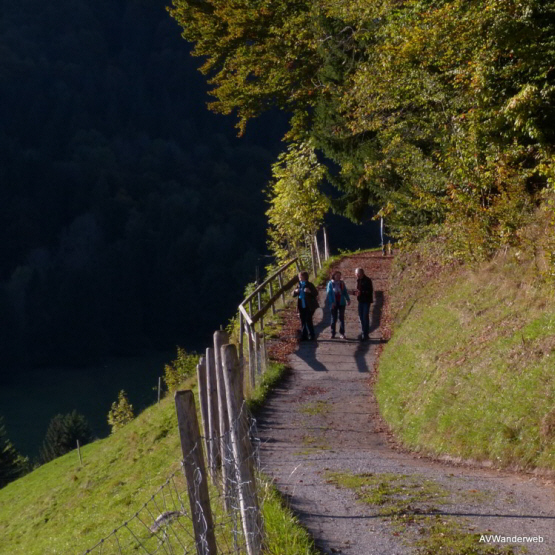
(165, 523)
(161, 525)
(212, 505)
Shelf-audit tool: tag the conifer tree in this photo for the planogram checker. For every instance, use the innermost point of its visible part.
(12, 464)
(63, 433)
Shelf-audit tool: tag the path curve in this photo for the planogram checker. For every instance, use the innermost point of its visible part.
(323, 419)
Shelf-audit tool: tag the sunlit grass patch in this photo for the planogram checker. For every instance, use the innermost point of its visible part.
(392, 491)
(274, 374)
(315, 408)
(438, 534)
(317, 442)
(411, 503)
(470, 370)
(285, 535)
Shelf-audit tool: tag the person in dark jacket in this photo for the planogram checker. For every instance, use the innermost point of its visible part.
(365, 295)
(307, 304)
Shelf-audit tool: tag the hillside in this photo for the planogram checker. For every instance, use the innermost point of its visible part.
(64, 508)
(470, 369)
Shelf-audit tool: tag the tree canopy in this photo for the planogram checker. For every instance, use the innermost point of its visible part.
(438, 114)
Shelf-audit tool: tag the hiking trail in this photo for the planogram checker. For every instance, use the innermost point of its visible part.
(321, 427)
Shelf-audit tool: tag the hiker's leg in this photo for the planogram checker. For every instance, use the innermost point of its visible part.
(309, 324)
(304, 329)
(366, 319)
(342, 319)
(333, 319)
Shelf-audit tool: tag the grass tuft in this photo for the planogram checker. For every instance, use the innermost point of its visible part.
(315, 408)
(274, 375)
(285, 534)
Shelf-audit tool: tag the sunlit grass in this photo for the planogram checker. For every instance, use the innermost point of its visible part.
(64, 508)
(285, 535)
(470, 370)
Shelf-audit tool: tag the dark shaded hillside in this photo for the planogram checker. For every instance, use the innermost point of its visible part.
(126, 207)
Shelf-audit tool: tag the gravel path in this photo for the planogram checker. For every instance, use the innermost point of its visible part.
(324, 419)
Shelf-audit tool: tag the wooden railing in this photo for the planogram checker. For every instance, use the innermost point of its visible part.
(253, 308)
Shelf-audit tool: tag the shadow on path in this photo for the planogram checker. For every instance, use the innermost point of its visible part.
(429, 513)
(307, 353)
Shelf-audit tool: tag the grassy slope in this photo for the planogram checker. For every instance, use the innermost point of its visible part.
(63, 508)
(470, 370)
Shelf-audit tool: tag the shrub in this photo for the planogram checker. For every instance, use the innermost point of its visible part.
(180, 369)
(121, 412)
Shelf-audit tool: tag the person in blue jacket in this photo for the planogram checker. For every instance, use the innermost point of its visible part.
(338, 299)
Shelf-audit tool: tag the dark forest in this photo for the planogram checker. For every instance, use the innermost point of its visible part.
(127, 208)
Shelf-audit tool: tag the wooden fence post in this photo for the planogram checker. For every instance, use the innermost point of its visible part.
(263, 354)
(242, 452)
(318, 257)
(203, 401)
(241, 330)
(259, 299)
(252, 357)
(257, 353)
(215, 460)
(195, 473)
(222, 338)
(313, 256)
(280, 278)
(271, 297)
(259, 308)
(326, 244)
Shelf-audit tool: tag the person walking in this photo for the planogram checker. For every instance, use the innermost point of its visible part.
(338, 299)
(306, 305)
(365, 295)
